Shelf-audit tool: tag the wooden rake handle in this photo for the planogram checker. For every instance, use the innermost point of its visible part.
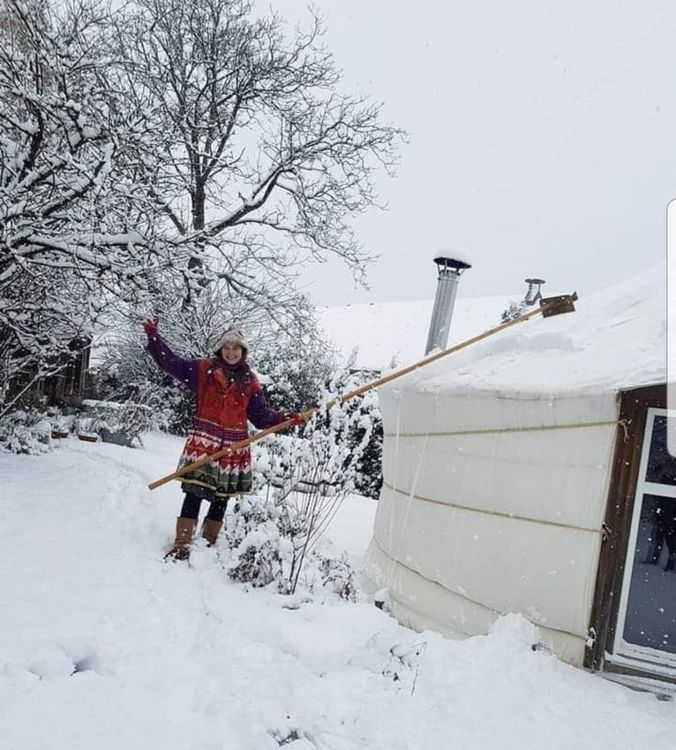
(548, 307)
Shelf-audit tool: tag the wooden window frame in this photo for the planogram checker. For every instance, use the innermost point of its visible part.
(634, 405)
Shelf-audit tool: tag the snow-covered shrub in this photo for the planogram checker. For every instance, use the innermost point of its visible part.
(367, 436)
(313, 470)
(132, 419)
(354, 431)
(25, 431)
(257, 533)
(262, 535)
(61, 423)
(259, 560)
(129, 419)
(152, 399)
(338, 576)
(294, 366)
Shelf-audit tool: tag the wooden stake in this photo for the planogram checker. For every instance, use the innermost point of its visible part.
(549, 306)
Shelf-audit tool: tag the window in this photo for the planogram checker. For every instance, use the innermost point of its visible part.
(646, 619)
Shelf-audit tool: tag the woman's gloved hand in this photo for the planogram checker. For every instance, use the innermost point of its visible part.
(150, 327)
(296, 418)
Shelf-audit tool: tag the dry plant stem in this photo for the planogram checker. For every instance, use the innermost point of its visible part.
(301, 559)
(316, 510)
(306, 511)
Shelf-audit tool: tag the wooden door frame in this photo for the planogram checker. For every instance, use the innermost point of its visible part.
(634, 405)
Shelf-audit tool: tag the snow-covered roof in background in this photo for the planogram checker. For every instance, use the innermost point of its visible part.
(383, 332)
(615, 339)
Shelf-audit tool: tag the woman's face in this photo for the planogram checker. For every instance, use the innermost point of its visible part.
(231, 353)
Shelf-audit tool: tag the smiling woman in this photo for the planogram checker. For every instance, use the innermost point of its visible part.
(231, 352)
(229, 395)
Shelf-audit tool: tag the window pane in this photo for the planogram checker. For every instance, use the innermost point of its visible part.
(661, 465)
(651, 607)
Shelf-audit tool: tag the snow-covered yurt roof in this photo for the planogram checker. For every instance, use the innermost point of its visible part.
(616, 338)
(381, 334)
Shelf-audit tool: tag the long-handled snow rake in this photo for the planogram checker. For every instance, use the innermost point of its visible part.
(549, 306)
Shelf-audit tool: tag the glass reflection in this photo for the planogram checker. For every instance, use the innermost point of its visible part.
(651, 607)
(661, 464)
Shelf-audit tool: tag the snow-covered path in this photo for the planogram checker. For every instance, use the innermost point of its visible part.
(102, 645)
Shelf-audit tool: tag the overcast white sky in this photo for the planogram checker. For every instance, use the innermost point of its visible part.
(543, 139)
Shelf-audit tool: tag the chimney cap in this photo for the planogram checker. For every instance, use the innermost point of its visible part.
(449, 261)
(534, 281)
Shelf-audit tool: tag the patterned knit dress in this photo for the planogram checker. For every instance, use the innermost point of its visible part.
(228, 397)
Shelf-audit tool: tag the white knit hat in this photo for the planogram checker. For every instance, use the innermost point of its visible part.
(231, 335)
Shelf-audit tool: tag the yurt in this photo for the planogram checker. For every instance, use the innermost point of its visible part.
(529, 473)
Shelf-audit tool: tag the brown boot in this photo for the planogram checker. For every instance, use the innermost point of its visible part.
(185, 528)
(211, 530)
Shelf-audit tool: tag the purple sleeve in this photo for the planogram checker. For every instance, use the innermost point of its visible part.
(261, 414)
(184, 370)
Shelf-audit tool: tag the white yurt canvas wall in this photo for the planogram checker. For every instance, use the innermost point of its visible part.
(496, 468)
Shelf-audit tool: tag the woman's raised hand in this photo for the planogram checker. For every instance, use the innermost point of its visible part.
(150, 327)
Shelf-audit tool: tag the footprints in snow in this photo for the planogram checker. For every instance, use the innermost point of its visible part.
(53, 662)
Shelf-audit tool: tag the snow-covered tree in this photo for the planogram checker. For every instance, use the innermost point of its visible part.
(68, 234)
(161, 153)
(295, 364)
(260, 162)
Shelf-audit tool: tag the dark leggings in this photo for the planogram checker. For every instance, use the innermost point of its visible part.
(191, 507)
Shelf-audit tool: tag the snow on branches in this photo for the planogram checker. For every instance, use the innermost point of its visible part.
(261, 162)
(64, 238)
(168, 144)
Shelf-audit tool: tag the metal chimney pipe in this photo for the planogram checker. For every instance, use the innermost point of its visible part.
(449, 272)
(534, 292)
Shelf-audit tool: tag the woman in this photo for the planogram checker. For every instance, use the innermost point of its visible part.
(228, 396)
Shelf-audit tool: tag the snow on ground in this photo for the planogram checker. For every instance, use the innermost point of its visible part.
(103, 645)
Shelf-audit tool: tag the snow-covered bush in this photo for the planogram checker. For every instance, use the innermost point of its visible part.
(25, 431)
(310, 473)
(352, 429)
(61, 423)
(128, 419)
(294, 366)
(338, 576)
(129, 376)
(257, 533)
(368, 431)
(262, 535)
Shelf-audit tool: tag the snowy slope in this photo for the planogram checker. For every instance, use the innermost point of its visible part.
(104, 646)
